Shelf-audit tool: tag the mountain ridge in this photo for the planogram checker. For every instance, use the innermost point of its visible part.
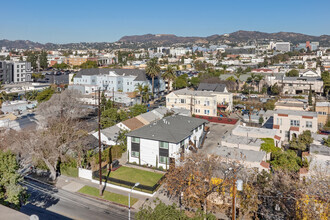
(171, 39)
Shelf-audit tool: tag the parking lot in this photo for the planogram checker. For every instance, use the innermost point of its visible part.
(217, 131)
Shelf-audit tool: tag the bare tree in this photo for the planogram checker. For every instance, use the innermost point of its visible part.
(61, 133)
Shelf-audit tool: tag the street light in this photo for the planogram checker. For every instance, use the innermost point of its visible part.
(129, 200)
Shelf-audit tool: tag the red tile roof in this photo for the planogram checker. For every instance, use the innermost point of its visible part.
(294, 128)
(265, 164)
(283, 115)
(309, 117)
(277, 137)
(276, 127)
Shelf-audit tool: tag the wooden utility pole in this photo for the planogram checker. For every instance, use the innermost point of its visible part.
(113, 97)
(99, 126)
(233, 214)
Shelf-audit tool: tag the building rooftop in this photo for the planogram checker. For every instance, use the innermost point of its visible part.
(292, 112)
(140, 74)
(186, 91)
(212, 87)
(8, 213)
(239, 154)
(253, 131)
(322, 104)
(111, 133)
(235, 139)
(148, 117)
(133, 123)
(171, 129)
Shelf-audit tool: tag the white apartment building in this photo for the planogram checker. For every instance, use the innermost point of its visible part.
(206, 103)
(289, 123)
(20, 71)
(283, 46)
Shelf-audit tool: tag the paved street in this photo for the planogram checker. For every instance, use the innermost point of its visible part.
(52, 203)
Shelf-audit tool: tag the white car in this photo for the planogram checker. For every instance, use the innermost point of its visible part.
(253, 96)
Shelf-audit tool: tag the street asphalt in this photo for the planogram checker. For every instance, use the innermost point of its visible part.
(48, 202)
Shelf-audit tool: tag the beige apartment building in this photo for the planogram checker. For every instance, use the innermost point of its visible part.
(289, 123)
(323, 112)
(206, 103)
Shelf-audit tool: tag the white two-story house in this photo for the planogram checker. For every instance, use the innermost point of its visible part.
(165, 141)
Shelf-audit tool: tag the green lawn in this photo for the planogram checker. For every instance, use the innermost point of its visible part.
(136, 175)
(113, 197)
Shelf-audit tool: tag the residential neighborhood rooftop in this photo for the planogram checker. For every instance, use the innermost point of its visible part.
(292, 112)
(239, 154)
(171, 129)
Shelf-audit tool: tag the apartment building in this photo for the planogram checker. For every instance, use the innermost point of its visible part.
(16, 72)
(323, 112)
(163, 142)
(6, 72)
(296, 85)
(289, 123)
(283, 46)
(119, 80)
(207, 103)
(77, 61)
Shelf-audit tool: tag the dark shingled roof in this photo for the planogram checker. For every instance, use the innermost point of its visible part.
(141, 74)
(171, 129)
(212, 87)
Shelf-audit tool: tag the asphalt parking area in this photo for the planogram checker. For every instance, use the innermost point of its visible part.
(216, 133)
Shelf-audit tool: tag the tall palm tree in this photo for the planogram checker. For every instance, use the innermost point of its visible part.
(139, 88)
(153, 70)
(169, 75)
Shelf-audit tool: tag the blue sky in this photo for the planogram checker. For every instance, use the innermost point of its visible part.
(64, 21)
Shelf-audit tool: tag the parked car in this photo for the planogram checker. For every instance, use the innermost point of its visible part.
(253, 96)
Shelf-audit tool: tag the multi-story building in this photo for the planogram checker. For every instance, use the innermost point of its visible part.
(208, 103)
(6, 72)
(283, 46)
(163, 142)
(20, 71)
(323, 112)
(77, 61)
(119, 80)
(289, 123)
(296, 85)
(15, 71)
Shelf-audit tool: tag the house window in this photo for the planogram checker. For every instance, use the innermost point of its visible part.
(207, 103)
(163, 159)
(295, 123)
(309, 124)
(135, 140)
(135, 154)
(182, 101)
(206, 112)
(163, 145)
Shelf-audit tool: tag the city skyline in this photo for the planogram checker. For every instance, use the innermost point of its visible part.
(78, 21)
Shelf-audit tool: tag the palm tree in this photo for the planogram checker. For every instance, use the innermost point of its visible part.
(258, 78)
(145, 93)
(153, 70)
(139, 88)
(169, 75)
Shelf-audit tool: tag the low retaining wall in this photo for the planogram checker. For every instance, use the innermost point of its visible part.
(84, 173)
(223, 120)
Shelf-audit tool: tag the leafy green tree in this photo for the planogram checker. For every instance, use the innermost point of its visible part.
(61, 66)
(8, 57)
(181, 82)
(12, 193)
(286, 160)
(89, 65)
(275, 89)
(138, 110)
(301, 66)
(109, 118)
(43, 60)
(153, 70)
(169, 75)
(268, 146)
(194, 82)
(139, 89)
(261, 120)
(292, 73)
(326, 141)
(326, 82)
(45, 95)
(303, 141)
(231, 78)
(310, 97)
(270, 104)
